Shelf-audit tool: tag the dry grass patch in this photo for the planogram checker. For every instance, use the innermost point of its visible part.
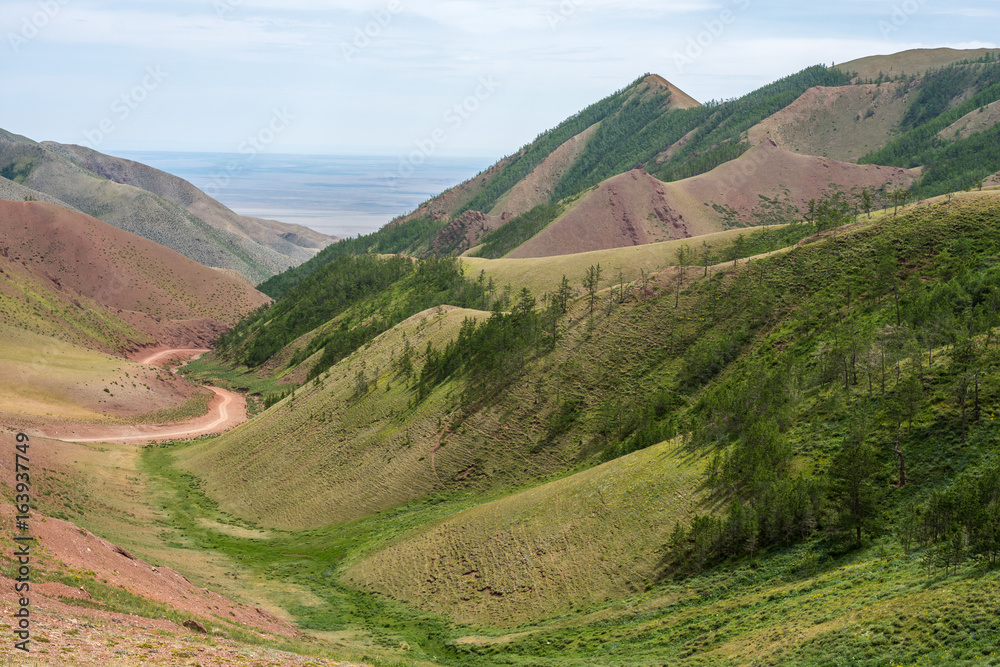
(544, 274)
(51, 382)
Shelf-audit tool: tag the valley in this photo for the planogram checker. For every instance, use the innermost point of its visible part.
(673, 384)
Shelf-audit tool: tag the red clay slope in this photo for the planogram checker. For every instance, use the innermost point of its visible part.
(628, 210)
(635, 208)
(120, 270)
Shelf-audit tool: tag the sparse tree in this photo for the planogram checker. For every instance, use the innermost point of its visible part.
(684, 257)
(591, 281)
(563, 294)
(855, 493)
(899, 198)
(739, 246)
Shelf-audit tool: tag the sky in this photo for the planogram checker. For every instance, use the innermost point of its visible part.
(435, 77)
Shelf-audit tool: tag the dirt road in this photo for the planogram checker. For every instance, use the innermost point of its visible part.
(159, 356)
(226, 410)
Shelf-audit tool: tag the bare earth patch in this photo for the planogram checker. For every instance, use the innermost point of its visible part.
(844, 123)
(973, 122)
(537, 187)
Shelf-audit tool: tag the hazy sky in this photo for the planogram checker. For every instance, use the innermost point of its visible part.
(384, 76)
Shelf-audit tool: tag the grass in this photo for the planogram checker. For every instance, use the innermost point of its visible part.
(254, 385)
(844, 123)
(309, 560)
(808, 604)
(55, 379)
(32, 306)
(909, 62)
(109, 489)
(571, 543)
(337, 488)
(342, 440)
(803, 605)
(196, 407)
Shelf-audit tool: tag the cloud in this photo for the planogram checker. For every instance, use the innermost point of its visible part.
(228, 70)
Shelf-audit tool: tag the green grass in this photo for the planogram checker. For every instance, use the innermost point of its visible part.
(351, 454)
(802, 605)
(313, 463)
(210, 368)
(545, 551)
(313, 559)
(543, 274)
(196, 407)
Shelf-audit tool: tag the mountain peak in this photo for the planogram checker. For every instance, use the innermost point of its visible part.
(678, 98)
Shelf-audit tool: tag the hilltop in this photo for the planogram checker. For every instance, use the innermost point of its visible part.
(910, 63)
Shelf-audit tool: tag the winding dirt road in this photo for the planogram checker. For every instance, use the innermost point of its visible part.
(226, 410)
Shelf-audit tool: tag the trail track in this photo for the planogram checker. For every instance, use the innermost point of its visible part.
(226, 410)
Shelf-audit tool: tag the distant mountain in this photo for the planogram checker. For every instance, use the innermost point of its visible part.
(153, 204)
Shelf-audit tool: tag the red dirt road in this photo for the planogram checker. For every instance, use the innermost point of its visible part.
(226, 410)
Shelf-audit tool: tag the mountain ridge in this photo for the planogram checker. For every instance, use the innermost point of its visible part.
(59, 174)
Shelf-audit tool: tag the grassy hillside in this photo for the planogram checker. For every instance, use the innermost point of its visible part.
(774, 379)
(33, 303)
(544, 274)
(786, 460)
(53, 379)
(910, 63)
(345, 305)
(352, 426)
(575, 542)
(295, 242)
(620, 114)
(844, 123)
(944, 98)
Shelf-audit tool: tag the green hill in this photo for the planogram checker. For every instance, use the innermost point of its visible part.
(481, 500)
